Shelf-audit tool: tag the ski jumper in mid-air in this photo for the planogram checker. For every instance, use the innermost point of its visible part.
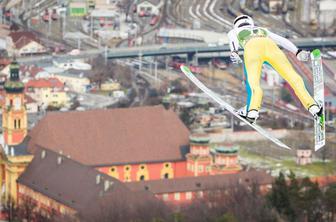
(261, 46)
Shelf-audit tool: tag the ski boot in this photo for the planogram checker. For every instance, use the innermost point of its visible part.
(251, 116)
(317, 112)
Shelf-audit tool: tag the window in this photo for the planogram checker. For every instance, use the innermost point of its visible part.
(166, 176)
(165, 197)
(19, 123)
(15, 124)
(200, 194)
(177, 196)
(127, 168)
(200, 168)
(113, 169)
(142, 177)
(188, 195)
(142, 167)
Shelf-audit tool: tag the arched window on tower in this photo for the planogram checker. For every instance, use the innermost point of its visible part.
(14, 123)
(19, 124)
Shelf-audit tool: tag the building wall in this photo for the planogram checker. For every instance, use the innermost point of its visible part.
(110, 86)
(198, 166)
(48, 96)
(43, 202)
(11, 168)
(185, 197)
(76, 84)
(149, 171)
(14, 118)
(32, 107)
(31, 48)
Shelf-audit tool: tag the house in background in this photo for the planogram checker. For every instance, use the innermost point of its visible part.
(110, 85)
(31, 104)
(47, 92)
(304, 156)
(78, 8)
(25, 43)
(76, 83)
(149, 7)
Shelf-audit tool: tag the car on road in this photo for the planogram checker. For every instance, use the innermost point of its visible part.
(176, 63)
(218, 63)
(195, 69)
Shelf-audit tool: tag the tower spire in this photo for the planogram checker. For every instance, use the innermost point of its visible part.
(14, 114)
(14, 85)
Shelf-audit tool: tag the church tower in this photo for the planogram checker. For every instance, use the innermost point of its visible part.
(199, 159)
(14, 115)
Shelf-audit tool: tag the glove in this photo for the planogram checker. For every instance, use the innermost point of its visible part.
(302, 55)
(235, 57)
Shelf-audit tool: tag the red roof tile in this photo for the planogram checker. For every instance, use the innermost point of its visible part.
(31, 70)
(21, 39)
(45, 83)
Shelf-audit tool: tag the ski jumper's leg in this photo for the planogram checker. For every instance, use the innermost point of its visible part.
(253, 59)
(280, 63)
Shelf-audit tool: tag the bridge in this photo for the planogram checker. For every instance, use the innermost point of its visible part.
(190, 49)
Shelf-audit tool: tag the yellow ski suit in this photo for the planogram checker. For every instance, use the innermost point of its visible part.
(260, 46)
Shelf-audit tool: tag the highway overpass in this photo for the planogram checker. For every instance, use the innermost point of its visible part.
(189, 49)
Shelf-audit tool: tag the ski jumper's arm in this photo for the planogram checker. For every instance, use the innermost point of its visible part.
(233, 41)
(283, 42)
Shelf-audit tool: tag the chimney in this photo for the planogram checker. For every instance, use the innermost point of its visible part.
(59, 160)
(43, 154)
(98, 179)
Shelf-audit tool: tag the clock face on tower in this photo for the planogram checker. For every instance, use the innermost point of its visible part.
(17, 104)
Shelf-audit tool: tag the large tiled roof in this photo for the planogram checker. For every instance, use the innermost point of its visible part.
(202, 183)
(113, 136)
(71, 183)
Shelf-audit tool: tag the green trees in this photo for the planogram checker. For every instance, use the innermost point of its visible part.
(302, 200)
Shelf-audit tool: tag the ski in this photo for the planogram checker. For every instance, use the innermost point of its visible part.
(229, 108)
(319, 122)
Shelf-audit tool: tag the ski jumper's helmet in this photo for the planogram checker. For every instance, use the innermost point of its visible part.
(243, 22)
